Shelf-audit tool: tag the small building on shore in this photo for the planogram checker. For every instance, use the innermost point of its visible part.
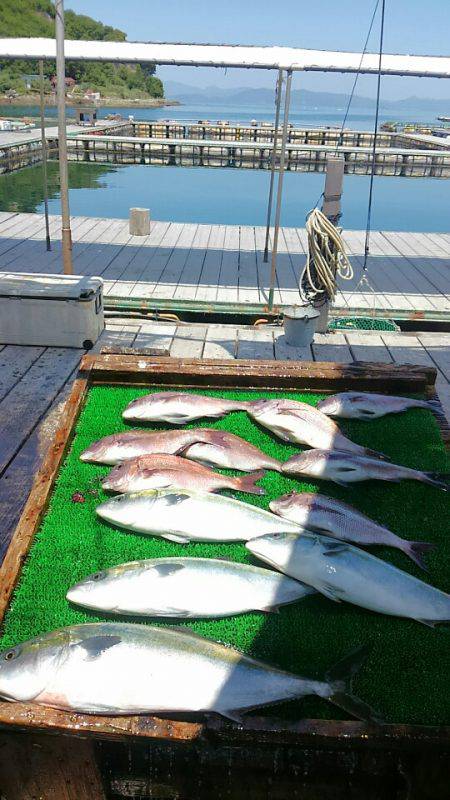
(86, 115)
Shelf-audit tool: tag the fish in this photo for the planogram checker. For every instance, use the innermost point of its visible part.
(178, 408)
(341, 571)
(334, 518)
(365, 405)
(183, 515)
(158, 471)
(300, 423)
(124, 668)
(226, 450)
(206, 445)
(346, 468)
(187, 588)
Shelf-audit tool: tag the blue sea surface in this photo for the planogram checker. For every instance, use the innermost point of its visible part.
(239, 197)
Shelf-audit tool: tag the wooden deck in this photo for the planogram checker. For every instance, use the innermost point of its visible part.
(34, 381)
(409, 273)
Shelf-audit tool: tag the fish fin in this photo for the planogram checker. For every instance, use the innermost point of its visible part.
(246, 483)
(269, 609)
(173, 499)
(375, 454)
(435, 479)
(329, 591)
(416, 551)
(97, 645)
(340, 677)
(176, 612)
(430, 623)
(175, 537)
(340, 482)
(335, 549)
(165, 570)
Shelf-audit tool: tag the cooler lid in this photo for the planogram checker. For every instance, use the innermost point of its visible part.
(53, 287)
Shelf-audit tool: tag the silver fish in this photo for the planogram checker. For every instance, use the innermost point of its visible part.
(341, 571)
(159, 471)
(183, 516)
(301, 423)
(186, 587)
(365, 405)
(122, 668)
(346, 468)
(320, 513)
(210, 446)
(180, 407)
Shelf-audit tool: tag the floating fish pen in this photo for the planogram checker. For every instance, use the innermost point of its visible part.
(303, 743)
(251, 155)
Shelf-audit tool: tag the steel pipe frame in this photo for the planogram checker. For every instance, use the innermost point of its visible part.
(44, 152)
(62, 139)
(284, 136)
(278, 93)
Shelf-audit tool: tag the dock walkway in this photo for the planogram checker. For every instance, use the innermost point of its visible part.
(409, 272)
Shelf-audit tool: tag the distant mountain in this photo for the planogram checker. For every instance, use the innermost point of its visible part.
(300, 98)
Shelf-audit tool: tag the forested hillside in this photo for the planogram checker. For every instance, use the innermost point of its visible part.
(37, 18)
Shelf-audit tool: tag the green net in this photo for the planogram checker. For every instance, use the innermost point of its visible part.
(363, 324)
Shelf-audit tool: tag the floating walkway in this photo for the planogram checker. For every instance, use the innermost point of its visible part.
(211, 268)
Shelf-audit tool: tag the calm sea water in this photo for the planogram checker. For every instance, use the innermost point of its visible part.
(185, 194)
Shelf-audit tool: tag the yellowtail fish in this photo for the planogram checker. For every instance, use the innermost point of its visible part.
(341, 571)
(186, 587)
(182, 515)
(121, 668)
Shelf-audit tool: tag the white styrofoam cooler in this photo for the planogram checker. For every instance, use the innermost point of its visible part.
(51, 310)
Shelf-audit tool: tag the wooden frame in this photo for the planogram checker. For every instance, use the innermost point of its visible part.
(146, 370)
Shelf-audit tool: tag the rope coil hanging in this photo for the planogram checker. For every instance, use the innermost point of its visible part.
(326, 259)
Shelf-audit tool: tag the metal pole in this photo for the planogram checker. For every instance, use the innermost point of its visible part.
(44, 154)
(287, 100)
(62, 141)
(278, 93)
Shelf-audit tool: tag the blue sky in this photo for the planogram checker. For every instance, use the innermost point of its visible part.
(412, 26)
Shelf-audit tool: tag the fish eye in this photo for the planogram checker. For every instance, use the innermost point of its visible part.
(98, 576)
(10, 654)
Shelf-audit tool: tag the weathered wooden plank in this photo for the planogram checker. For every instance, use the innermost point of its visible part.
(188, 341)
(220, 342)
(155, 334)
(154, 267)
(171, 273)
(335, 349)
(211, 264)
(227, 287)
(39, 766)
(367, 347)
(31, 397)
(15, 360)
(248, 291)
(17, 479)
(438, 347)
(255, 343)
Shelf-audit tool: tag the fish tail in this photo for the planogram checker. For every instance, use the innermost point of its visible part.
(435, 479)
(247, 483)
(340, 677)
(417, 550)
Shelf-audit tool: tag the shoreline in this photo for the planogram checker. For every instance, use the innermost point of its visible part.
(106, 102)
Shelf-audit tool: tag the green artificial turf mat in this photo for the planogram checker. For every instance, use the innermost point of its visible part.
(406, 673)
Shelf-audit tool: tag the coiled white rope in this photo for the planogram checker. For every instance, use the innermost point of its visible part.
(326, 258)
